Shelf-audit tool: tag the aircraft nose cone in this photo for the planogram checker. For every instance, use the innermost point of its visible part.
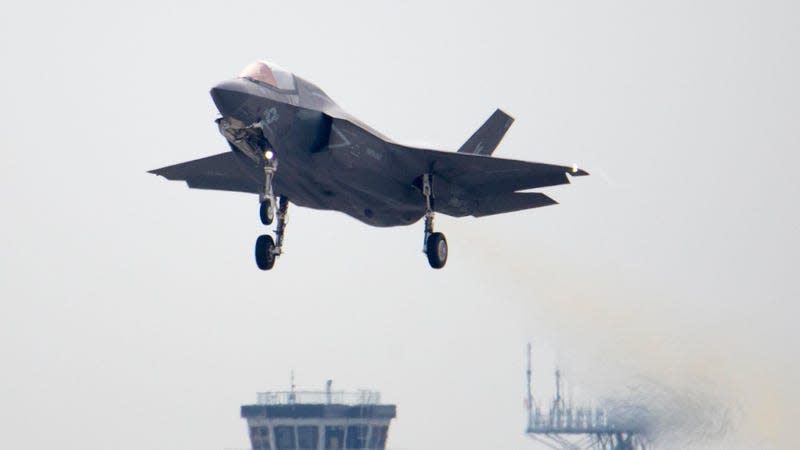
(229, 97)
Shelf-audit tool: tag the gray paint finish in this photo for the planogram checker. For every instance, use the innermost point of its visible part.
(330, 160)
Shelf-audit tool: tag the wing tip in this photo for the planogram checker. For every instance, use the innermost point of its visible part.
(574, 171)
(159, 172)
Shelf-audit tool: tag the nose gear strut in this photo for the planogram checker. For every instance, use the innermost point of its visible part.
(267, 197)
(267, 250)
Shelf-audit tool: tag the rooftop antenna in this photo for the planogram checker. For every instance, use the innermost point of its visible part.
(292, 396)
(328, 391)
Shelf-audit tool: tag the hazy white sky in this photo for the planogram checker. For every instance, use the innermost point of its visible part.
(133, 316)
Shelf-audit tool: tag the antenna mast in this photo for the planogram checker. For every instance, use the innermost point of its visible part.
(328, 391)
(292, 396)
(559, 402)
(529, 399)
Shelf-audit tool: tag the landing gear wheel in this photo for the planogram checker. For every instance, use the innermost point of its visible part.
(267, 212)
(265, 252)
(436, 249)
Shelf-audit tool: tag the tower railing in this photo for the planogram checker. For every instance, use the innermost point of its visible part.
(579, 420)
(361, 397)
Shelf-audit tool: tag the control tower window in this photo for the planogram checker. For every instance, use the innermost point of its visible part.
(377, 440)
(334, 438)
(357, 436)
(284, 438)
(307, 437)
(260, 438)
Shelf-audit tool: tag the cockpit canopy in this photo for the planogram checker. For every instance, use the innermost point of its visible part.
(270, 74)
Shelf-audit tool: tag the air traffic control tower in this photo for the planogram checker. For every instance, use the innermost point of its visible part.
(318, 420)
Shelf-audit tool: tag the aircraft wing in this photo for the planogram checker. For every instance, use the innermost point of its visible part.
(223, 172)
(468, 184)
(464, 183)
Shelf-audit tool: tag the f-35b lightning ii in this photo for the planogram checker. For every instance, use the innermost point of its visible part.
(289, 142)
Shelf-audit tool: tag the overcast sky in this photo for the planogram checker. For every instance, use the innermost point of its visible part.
(133, 316)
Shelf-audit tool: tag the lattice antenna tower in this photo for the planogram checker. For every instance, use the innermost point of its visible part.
(567, 427)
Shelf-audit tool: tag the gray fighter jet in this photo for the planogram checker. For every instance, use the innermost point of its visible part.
(290, 142)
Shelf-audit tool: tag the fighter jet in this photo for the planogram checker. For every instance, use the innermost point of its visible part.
(290, 143)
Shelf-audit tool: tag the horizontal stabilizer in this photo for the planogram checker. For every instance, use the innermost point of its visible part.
(488, 136)
(515, 201)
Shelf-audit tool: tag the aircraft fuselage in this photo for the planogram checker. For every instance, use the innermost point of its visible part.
(297, 125)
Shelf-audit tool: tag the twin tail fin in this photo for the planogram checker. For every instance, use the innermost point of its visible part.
(488, 136)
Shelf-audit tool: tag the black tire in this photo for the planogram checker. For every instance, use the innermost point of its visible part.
(265, 258)
(436, 249)
(266, 212)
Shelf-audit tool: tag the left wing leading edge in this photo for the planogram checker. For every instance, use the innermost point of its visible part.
(223, 172)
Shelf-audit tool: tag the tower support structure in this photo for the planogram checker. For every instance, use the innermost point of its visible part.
(562, 426)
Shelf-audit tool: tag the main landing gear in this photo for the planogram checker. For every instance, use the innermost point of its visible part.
(435, 244)
(267, 250)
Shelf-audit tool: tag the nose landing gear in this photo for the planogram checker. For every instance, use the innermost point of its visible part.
(267, 198)
(267, 250)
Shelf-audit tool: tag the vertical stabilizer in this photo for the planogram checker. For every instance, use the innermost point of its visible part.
(488, 136)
